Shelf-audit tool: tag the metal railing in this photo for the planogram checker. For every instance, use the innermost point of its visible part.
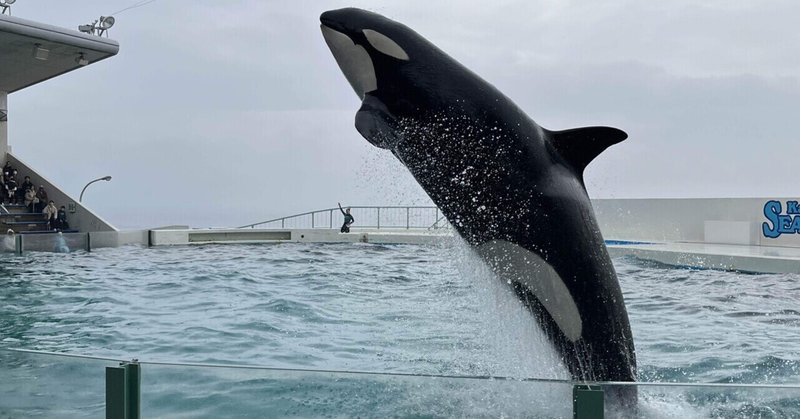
(369, 217)
(72, 383)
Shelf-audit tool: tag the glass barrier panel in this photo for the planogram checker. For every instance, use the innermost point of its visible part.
(51, 386)
(393, 218)
(704, 401)
(324, 219)
(421, 217)
(198, 391)
(364, 217)
(54, 242)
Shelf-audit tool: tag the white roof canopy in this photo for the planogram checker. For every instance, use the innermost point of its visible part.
(32, 52)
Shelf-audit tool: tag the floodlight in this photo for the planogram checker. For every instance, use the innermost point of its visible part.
(106, 22)
(40, 53)
(6, 5)
(98, 27)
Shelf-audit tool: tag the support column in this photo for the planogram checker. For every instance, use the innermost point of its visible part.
(3, 127)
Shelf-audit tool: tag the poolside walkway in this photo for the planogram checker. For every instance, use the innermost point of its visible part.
(695, 255)
(715, 256)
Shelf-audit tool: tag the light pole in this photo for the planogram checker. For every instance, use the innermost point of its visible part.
(106, 178)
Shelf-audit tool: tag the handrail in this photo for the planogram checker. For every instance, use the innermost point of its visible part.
(402, 374)
(435, 224)
(376, 220)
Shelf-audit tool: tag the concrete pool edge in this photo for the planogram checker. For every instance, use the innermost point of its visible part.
(755, 259)
(730, 257)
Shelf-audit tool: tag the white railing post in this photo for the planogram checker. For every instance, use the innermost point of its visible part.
(379, 218)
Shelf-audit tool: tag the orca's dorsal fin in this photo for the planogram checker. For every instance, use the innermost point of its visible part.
(579, 146)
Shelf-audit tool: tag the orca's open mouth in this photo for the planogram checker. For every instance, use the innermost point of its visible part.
(353, 60)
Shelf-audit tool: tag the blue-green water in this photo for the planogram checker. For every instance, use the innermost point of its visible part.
(365, 307)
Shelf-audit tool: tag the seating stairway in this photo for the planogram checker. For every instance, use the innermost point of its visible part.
(21, 221)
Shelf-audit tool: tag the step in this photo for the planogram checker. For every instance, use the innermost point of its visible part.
(22, 226)
(36, 216)
(31, 232)
(16, 208)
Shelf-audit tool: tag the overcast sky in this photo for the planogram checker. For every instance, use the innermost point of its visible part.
(219, 113)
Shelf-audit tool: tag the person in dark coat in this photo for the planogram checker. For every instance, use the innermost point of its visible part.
(41, 194)
(27, 184)
(348, 220)
(19, 195)
(7, 169)
(61, 219)
(11, 189)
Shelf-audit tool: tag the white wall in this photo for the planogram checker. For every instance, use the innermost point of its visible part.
(706, 220)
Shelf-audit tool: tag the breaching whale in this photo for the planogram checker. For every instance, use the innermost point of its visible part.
(512, 189)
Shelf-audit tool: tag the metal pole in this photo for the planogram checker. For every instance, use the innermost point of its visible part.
(312, 220)
(134, 382)
(379, 218)
(436, 219)
(330, 216)
(407, 218)
(106, 178)
(123, 391)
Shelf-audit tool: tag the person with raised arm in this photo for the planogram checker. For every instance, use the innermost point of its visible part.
(348, 219)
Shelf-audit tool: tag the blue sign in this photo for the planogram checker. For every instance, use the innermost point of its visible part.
(779, 223)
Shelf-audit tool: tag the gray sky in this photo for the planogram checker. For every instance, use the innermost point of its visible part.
(223, 113)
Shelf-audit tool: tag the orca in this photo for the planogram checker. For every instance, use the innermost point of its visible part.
(512, 189)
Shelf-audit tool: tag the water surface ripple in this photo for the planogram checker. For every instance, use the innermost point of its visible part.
(403, 308)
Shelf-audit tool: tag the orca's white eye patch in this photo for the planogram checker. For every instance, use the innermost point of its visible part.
(385, 45)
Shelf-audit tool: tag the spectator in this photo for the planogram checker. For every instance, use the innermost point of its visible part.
(61, 219)
(41, 194)
(50, 214)
(27, 184)
(3, 193)
(7, 169)
(11, 189)
(31, 201)
(22, 189)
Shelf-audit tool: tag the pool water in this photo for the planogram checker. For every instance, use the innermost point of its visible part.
(405, 309)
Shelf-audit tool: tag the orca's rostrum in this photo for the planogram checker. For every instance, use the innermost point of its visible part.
(511, 188)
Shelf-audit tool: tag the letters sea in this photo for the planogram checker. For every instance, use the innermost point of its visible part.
(788, 223)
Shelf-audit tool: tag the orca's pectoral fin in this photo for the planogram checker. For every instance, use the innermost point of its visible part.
(579, 146)
(376, 124)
